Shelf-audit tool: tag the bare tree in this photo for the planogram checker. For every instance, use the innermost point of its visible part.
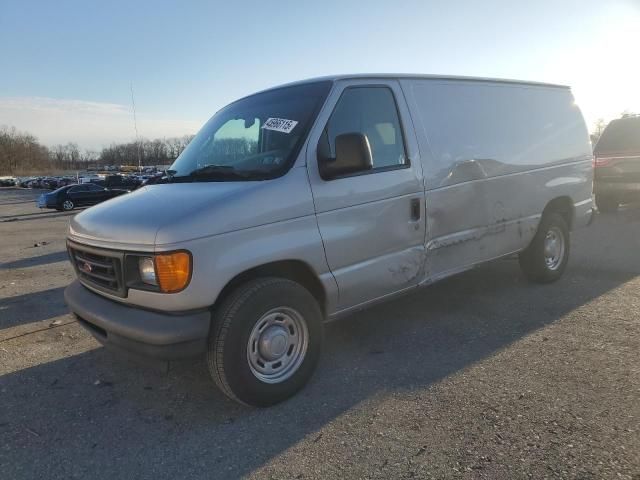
(20, 152)
(152, 152)
(598, 128)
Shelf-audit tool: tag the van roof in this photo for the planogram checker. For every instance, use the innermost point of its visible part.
(360, 76)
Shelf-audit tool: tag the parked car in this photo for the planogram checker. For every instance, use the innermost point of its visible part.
(121, 181)
(117, 181)
(67, 181)
(7, 182)
(35, 182)
(52, 183)
(89, 178)
(306, 202)
(153, 179)
(617, 164)
(41, 183)
(72, 196)
(24, 182)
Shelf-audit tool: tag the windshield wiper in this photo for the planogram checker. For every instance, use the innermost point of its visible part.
(219, 171)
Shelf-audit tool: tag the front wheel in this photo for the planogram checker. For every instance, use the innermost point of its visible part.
(68, 205)
(545, 259)
(265, 341)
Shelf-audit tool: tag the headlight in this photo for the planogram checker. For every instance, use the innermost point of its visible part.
(147, 270)
(168, 272)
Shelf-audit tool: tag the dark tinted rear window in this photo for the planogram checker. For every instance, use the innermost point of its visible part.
(622, 135)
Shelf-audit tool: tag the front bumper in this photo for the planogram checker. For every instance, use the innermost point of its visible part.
(41, 202)
(138, 331)
(44, 202)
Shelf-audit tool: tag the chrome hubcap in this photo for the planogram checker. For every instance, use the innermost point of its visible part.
(277, 345)
(67, 205)
(553, 248)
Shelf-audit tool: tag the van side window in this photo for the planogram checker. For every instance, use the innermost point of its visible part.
(371, 111)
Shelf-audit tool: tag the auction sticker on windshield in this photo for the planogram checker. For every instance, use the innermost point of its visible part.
(279, 125)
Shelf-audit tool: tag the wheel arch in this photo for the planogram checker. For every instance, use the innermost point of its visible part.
(295, 270)
(562, 205)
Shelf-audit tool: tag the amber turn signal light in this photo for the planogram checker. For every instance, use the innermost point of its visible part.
(173, 271)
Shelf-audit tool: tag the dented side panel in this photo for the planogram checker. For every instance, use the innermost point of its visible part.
(373, 249)
(373, 245)
(494, 156)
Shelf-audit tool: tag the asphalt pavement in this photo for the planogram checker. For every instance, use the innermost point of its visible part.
(482, 375)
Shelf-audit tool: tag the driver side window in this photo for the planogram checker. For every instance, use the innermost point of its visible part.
(371, 111)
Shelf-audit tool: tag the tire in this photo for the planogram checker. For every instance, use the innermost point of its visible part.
(607, 204)
(234, 352)
(543, 265)
(68, 205)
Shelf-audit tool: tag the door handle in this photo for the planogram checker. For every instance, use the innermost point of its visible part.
(416, 210)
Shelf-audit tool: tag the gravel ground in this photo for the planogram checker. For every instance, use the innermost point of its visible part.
(480, 376)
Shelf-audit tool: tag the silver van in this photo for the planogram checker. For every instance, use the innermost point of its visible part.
(305, 202)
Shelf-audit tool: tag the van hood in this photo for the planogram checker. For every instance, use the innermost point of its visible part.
(166, 214)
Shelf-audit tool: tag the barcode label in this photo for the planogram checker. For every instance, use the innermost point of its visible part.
(279, 125)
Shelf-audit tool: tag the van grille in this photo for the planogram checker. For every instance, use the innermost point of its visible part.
(98, 268)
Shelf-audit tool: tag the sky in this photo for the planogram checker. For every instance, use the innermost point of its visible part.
(67, 68)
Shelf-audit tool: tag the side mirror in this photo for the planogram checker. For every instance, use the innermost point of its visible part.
(353, 155)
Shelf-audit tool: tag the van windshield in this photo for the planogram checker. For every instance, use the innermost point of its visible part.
(255, 138)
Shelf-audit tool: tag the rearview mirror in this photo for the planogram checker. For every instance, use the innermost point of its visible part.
(353, 155)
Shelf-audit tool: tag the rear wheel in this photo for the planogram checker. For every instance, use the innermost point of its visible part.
(607, 203)
(265, 341)
(545, 259)
(68, 205)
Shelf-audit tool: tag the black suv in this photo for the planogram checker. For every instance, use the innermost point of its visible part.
(617, 164)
